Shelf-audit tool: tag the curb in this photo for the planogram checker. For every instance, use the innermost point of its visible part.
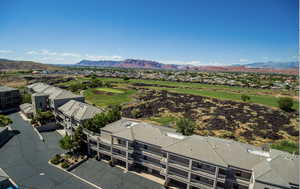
(40, 136)
(83, 180)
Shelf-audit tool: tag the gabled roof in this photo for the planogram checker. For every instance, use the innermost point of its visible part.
(282, 170)
(27, 108)
(6, 89)
(53, 92)
(148, 133)
(79, 110)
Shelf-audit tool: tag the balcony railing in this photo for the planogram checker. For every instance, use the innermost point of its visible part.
(178, 164)
(148, 163)
(177, 176)
(203, 171)
(201, 184)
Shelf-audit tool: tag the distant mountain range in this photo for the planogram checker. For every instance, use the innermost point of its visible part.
(129, 63)
(271, 64)
(6, 64)
(135, 63)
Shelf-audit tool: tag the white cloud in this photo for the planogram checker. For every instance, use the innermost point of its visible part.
(6, 51)
(244, 60)
(265, 58)
(96, 57)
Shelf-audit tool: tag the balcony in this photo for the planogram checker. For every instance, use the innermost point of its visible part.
(178, 164)
(151, 154)
(204, 172)
(200, 184)
(177, 176)
(149, 164)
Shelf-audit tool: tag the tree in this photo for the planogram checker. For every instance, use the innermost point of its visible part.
(66, 143)
(4, 121)
(245, 98)
(26, 98)
(185, 126)
(285, 103)
(78, 140)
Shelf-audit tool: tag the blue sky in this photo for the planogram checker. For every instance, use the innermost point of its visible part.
(200, 32)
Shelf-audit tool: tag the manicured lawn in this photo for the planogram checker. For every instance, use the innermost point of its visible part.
(259, 99)
(215, 91)
(163, 120)
(108, 99)
(110, 90)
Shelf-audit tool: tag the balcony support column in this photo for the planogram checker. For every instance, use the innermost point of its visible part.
(167, 170)
(111, 148)
(89, 147)
(189, 174)
(98, 147)
(216, 177)
(127, 156)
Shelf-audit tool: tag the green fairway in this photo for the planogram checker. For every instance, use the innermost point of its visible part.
(110, 90)
(259, 99)
(164, 120)
(215, 91)
(101, 99)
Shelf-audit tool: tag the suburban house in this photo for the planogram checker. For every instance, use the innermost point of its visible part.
(193, 161)
(73, 113)
(10, 99)
(49, 97)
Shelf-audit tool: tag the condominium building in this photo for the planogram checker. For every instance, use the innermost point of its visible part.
(50, 96)
(193, 161)
(10, 99)
(73, 113)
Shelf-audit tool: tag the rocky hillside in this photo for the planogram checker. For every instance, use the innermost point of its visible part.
(128, 63)
(24, 65)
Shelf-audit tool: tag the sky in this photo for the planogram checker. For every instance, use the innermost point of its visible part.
(198, 32)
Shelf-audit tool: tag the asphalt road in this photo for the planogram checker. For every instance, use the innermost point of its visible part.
(25, 159)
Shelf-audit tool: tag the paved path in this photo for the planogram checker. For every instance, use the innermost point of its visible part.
(107, 177)
(25, 159)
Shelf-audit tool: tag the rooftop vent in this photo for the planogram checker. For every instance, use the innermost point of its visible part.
(173, 135)
(130, 124)
(259, 153)
(266, 147)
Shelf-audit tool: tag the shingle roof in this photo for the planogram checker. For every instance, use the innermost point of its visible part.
(79, 110)
(148, 133)
(275, 166)
(53, 92)
(5, 89)
(281, 170)
(27, 108)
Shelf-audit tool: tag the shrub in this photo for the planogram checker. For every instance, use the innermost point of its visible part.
(4, 121)
(56, 159)
(186, 126)
(285, 103)
(287, 145)
(245, 98)
(65, 165)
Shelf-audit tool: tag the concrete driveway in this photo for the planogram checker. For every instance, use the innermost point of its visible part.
(25, 159)
(107, 177)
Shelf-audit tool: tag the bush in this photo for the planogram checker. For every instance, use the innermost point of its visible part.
(287, 145)
(65, 165)
(245, 98)
(56, 159)
(4, 121)
(186, 126)
(285, 103)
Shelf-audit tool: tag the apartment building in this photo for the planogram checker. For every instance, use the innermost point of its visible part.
(73, 113)
(193, 161)
(10, 99)
(50, 96)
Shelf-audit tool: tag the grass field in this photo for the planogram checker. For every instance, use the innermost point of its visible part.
(104, 100)
(110, 90)
(215, 91)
